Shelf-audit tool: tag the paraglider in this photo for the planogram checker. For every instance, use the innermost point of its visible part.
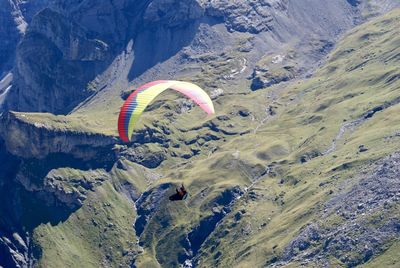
(145, 94)
(181, 194)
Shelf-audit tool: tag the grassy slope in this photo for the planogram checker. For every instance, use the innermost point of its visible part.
(359, 74)
(87, 238)
(356, 77)
(58, 122)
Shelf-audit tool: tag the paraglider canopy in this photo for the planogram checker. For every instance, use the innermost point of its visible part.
(145, 94)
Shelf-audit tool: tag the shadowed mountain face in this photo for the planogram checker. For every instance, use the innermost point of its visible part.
(9, 35)
(15, 16)
(306, 128)
(83, 44)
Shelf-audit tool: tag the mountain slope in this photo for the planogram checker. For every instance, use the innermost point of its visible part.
(326, 130)
(261, 173)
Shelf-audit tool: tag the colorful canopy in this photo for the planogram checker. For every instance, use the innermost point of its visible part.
(145, 94)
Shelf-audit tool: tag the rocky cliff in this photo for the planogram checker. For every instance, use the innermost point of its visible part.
(15, 15)
(39, 140)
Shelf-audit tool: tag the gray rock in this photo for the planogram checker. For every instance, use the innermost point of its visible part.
(15, 15)
(246, 16)
(58, 80)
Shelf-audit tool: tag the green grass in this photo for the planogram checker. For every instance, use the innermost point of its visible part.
(333, 94)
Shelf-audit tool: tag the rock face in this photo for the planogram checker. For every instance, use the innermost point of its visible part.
(246, 16)
(41, 140)
(12, 252)
(15, 15)
(9, 35)
(58, 80)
